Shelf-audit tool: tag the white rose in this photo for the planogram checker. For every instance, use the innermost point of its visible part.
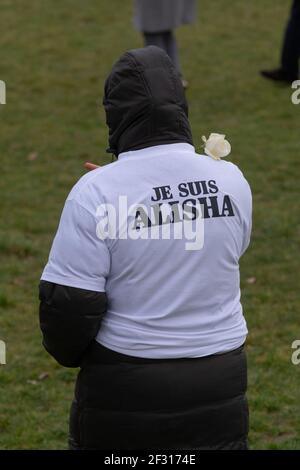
(216, 146)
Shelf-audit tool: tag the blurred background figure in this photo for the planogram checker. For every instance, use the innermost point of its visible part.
(289, 68)
(157, 20)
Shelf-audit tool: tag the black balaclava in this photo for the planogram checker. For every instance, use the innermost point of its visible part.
(144, 102)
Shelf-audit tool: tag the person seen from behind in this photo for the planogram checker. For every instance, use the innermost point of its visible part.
(142, 287)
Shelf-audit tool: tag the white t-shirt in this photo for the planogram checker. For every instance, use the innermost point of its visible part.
(168, 297)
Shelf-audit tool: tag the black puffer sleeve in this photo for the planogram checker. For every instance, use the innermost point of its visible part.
(70, 319)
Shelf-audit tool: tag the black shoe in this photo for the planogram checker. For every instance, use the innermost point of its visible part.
(278, 75)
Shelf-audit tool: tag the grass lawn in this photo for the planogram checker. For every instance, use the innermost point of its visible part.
(54, 58)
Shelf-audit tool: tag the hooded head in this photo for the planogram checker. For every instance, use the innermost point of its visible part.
(144, 102)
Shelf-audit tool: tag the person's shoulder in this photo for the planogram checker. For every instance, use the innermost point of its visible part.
(92, 178)
(222, 165)
(225, 168)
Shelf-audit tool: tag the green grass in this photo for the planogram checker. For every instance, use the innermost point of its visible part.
(54, 58)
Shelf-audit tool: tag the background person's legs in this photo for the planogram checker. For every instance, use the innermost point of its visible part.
(291, 45)
(172, 49)
(289, 68)
(165, 40)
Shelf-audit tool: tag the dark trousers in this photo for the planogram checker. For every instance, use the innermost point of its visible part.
(123, 402)
(165, 40)
(291, 44)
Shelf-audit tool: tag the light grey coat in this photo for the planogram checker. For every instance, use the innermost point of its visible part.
(154, 16)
